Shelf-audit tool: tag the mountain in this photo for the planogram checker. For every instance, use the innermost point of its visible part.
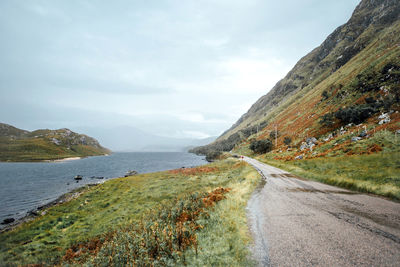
(129, 138)
(352, 78)
(44, 144)
(168, 144)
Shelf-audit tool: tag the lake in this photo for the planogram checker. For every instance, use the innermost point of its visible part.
(26, 186)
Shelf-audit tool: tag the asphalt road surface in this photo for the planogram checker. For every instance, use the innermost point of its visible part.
(296, 222)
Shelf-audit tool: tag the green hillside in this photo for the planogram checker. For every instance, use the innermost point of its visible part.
(356, 68)
(21, 145)
(341, 102)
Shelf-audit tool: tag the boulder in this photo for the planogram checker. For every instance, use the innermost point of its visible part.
(299, 157)
(33, 213)
(311, 140)
(130, 173)
(311, 147)
(329, 137)
(384, 118)
(309, 143)
(8, 220)
(355, 139)
(56, 141)
(303, 146)
(363, 134)
(97, 177)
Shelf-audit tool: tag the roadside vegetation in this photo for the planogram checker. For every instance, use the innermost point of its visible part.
(370, 165)
(375, 173)
(193, 216)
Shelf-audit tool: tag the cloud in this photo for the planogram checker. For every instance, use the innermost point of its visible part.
(216, 43)
(197, 118)
(192, 134)
(168, 67)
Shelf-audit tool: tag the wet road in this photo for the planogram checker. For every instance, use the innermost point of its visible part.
(296, 222)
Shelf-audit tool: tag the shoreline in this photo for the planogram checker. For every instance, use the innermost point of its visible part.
(52, 160)
(42, 210)
(39, 211)
(62, 160)
(72, 158)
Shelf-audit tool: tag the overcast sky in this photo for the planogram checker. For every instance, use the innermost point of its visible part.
(173, 68)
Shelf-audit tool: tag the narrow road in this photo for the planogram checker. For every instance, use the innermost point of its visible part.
(296, 222)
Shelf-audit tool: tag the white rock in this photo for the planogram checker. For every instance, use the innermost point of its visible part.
(383, 116)
(385, 120)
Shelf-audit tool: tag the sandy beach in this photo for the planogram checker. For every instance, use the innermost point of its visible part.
(62, 160)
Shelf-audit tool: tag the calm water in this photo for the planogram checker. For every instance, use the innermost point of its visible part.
(25, 186)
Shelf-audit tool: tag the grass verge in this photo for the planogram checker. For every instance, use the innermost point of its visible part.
(377, 173)
(127, 203)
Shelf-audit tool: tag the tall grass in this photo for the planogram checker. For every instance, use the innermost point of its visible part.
(375, 173)
(128, 203)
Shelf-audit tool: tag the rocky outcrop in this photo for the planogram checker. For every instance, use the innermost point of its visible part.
(7, 130)
(8, 221)
(384, 118)
(308, 144)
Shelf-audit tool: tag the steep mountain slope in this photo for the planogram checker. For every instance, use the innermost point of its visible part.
(352, 77)
(21, 145)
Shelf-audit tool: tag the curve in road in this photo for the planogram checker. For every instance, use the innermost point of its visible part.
(297, 222)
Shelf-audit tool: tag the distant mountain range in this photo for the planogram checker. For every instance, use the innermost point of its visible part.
(353, 77)
(128, 139)
(44, 144)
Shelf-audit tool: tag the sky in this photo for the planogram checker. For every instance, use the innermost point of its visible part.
(182, 69)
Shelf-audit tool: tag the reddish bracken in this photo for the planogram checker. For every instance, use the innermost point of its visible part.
(215, 196)
(181, 231)
(194, 171)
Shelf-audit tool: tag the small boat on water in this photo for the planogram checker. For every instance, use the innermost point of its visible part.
(78, 177)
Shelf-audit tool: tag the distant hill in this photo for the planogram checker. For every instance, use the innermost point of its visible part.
(132, 139)
(352, 78)
(44, 144)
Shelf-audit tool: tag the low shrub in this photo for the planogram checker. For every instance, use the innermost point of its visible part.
(287, 140)
(355, 114)
(261, 146)
(213, 155)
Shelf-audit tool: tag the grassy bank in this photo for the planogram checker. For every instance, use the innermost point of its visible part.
(84, 229)
(370, 165)
(377, 173)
